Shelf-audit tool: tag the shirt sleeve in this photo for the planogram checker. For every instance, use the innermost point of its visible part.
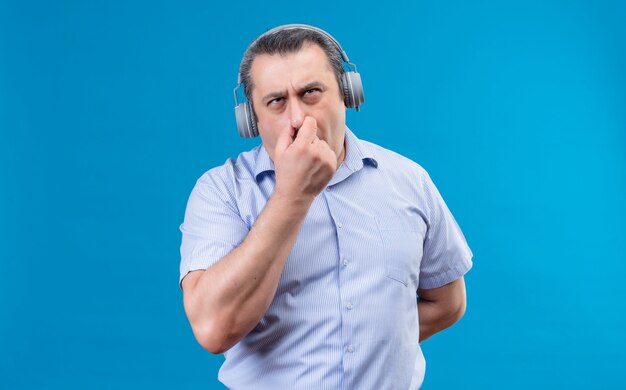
(211, 229)
(447, 256)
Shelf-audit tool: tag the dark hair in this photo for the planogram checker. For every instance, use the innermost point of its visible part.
(285, 42)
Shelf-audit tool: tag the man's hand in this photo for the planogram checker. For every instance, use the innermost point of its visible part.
(304, 165)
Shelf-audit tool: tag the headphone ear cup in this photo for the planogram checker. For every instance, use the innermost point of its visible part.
(253, 125)
(352, 89)
(246, 122)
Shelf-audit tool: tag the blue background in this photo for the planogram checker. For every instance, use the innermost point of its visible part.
(110, 111)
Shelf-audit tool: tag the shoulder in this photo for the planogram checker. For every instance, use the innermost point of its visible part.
(224, 180)
(397, 166)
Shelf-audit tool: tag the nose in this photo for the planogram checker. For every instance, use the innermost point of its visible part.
(296, 114)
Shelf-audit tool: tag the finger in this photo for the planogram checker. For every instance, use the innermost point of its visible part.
(326, 150)
(308, 130)
(282, 143)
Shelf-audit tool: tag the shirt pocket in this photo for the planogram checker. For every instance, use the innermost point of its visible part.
(403, 243)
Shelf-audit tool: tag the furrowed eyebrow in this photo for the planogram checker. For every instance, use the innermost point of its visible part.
(312, 85)
(273, 95)
(279, 94)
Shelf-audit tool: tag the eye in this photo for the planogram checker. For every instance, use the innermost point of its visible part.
(275, 101)
(312, 95)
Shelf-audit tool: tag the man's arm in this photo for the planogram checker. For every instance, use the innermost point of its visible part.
(225, 302)
(438, 308)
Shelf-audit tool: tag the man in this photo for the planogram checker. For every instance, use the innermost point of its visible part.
(301, 259)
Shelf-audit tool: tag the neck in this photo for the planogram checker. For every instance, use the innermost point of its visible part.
(342, 155)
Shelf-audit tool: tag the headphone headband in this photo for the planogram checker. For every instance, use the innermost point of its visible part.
(294, 26)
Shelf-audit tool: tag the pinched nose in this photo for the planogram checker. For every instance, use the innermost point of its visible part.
(296, 114)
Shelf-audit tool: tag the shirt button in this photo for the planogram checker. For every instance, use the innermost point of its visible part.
(349, 306)
(339, 225)
(350, 348)
(345, 262)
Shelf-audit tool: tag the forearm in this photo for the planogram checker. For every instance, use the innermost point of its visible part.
(231, 296)
(433, 318)
(440, 307)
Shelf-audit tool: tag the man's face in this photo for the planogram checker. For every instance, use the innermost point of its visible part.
(287, 88)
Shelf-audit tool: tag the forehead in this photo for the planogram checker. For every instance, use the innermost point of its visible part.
(279, 71)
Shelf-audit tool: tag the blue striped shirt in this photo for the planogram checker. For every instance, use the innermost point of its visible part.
(345, 312)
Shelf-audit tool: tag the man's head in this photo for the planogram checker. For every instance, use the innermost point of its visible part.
(288, 41)
(290, 74)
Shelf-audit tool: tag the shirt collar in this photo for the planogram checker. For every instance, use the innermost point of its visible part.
(263, 163)
(357, 155)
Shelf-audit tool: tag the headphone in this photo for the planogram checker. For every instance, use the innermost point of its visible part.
(351, 84)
